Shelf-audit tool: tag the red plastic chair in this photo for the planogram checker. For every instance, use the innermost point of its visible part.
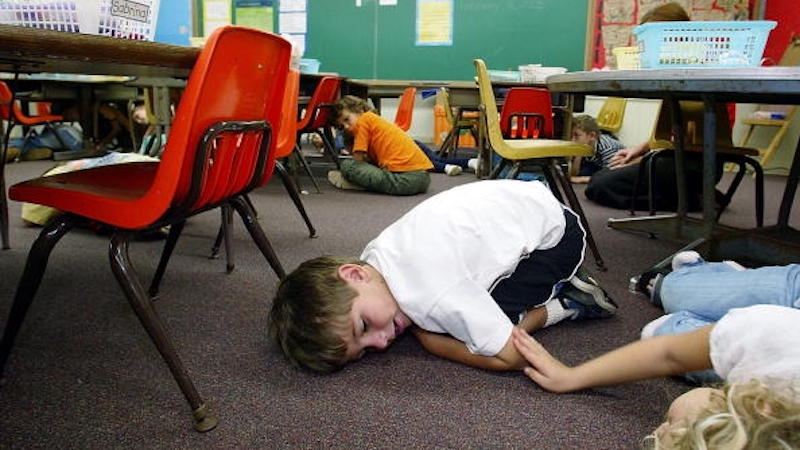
(405, 109)
(527, 114)
(285, 140)
(218, 150)
(15, 116)
(316, 119)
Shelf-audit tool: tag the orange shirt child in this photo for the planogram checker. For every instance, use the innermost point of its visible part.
(387, 146)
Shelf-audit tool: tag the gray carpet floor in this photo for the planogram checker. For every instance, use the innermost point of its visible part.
(84, 374)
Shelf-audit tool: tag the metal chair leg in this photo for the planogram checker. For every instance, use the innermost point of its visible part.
(566, 186)
(306, 167)
(31, 278)
(227, 233)
(204, 418)
(172, 239)
(248, 217)
(291, 188)
(218, 240)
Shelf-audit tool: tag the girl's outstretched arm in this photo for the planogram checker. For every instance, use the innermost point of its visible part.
(649, 358)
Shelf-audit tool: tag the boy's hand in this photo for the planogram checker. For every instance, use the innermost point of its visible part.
(545, 370)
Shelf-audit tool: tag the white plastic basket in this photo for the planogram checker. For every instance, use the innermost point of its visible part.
(128, 19)
(702, 44)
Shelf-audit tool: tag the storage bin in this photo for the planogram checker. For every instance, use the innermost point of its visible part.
(627, 57)
(310, 66)
(664, 45)
(503, 75)
(116, 18)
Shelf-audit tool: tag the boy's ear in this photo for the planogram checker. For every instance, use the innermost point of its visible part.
(354, 273)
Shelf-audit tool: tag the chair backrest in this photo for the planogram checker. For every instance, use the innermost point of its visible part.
(526, 100)
(287, 134)
(692, 116)
(611, 114)
(240, 75)
(327, 92)
(443, 99)
(405, 109)
(43, 108)
(489, 105)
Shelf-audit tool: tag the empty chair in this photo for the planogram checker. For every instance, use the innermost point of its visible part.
(611, 114)
(11, 111)
(217, 151)
(465, 119)
(692, 118)
(316, 119)
(284, 144)
(547, 154)
(527, 113)
(405, 109)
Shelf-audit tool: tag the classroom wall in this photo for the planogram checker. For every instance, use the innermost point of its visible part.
(787, 14)
(375, 41)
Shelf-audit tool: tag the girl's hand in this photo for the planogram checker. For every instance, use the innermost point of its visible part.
(545, 370)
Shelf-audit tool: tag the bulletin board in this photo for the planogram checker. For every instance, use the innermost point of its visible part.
(611, 22)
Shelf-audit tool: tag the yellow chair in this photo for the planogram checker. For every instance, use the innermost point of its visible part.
(611, 114)
(464, 119)
(547, 154)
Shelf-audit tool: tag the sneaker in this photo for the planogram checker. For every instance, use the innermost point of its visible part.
(337, 179)
(686, 258)
(12, 153)
(452, 169)
(583, 295)
(36, 154)
(650, 329)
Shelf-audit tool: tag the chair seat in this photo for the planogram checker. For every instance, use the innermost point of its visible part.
(117, 187)
(519, 149)
(38, 120)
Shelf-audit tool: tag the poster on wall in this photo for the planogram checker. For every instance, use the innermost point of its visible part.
(216, 13)
(434, 22)
(256, 14)
(612, 22)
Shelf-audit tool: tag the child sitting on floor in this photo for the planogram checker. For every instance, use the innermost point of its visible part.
(742, 323)
(385, 159)
(605, 146)
(464, 266)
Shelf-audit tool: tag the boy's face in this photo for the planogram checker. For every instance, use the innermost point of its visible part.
(348, 119)
(583, 137)
(375, 319)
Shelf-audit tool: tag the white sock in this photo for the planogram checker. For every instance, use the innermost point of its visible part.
(473, 164)
(452, 169)
(556, 312)
(650, 329)
(734, 265)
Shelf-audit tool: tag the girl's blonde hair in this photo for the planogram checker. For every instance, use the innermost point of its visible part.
(741, 416)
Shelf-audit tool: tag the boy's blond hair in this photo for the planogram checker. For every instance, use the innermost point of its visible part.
(741, 416)
(310, 314)
(586, 123)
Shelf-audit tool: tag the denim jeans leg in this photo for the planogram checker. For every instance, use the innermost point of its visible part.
(710, 290)
(70, 137)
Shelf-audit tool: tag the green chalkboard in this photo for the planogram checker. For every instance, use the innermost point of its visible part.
(376, 41)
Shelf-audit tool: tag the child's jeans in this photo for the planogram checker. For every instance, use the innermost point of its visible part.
(69, 136)
(699, 294)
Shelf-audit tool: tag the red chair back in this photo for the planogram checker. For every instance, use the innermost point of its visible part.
(405, 109)
(240, 76)
(19, 116)
(315, 117)
(287, 134)
(525, 101)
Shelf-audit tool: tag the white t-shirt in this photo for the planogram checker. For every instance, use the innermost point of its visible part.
(760, 342)
(441, 258)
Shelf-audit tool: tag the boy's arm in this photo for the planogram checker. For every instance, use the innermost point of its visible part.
(648, 358)
(450, 348)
